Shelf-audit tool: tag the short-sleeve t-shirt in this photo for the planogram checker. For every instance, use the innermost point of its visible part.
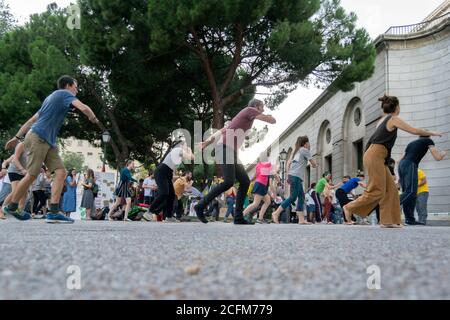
(148, 192)
(263, 170)
(52, 115)
(174, 158)
(299, 163)
(416, 150)
(421, 175)
(321, 185)
(240, 124)
(350, 185)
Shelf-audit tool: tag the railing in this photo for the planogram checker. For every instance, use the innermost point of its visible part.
(418, 27)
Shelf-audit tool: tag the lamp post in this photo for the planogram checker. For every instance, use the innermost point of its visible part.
(283, 157)
(106, 137)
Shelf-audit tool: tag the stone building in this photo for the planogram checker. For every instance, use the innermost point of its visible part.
(412, 63)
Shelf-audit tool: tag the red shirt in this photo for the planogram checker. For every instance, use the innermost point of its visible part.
(241, 123)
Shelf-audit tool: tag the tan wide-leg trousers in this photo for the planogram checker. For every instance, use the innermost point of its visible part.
(380, 190)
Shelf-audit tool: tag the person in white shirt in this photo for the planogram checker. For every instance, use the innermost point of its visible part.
(150, 188)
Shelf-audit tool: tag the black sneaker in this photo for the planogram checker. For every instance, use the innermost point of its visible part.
(199, 212)
(242, 221)
(410, 223)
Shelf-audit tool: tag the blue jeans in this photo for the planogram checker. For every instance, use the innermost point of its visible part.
(421, 205)
(296, 192)
(407, 171)
(230, 206)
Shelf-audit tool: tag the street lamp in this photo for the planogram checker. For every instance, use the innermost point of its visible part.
(106, 137)
(283, 157)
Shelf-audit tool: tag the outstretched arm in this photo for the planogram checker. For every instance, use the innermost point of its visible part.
(86, 110)
(215, 137)
(266, 118)
(437, 155)
(399, 123)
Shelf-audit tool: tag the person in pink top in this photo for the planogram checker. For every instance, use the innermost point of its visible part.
(260, 191)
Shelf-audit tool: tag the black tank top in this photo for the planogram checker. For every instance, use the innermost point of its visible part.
(384, 137)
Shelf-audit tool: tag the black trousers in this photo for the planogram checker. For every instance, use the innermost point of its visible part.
(166, 193)
(178, 208)
(231, 172)
(343, 199)
(39, 200)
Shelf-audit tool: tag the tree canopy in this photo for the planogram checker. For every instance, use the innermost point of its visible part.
(148, 67)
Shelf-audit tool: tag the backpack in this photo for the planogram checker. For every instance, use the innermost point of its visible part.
(136, 213)
(95, 189)
(100, 214)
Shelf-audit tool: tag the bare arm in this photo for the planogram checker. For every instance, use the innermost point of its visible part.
(437, 155)
(313, 163)
(363, 184)
(399, 123)
(214, 137)
(16, 160)
(187, 153)
(21, 133)
(85, 110)
(422, 181)
(266, 118)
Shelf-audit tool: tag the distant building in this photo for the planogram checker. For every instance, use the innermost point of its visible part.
(92, 155)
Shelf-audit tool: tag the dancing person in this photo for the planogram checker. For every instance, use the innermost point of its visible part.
(230, 139)
(164, 201)
(261, 191)
(40, 143)
(16, 172)
(407, 170)
(301, 157)
(349, 184)
(123, 190)
(381, 188)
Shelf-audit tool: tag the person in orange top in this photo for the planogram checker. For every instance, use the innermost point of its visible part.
(181, 185)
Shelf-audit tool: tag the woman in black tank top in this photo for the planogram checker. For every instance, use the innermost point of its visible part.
(381, 189)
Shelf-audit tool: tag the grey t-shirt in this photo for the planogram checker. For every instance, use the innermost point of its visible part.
(299, 163)
(23, 162)
(174, 158)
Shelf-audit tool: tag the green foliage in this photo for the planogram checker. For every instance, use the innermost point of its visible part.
(278, 43)
(73, 160)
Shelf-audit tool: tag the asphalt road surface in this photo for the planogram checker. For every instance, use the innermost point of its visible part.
(150, 260)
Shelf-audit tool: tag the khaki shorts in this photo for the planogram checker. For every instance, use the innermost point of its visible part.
(39, 152)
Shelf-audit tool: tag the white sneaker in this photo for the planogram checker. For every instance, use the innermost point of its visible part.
(147, 217)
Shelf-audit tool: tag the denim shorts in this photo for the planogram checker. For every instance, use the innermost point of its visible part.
(260, 189)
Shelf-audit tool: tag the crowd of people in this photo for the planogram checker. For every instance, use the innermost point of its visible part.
(36, 169)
